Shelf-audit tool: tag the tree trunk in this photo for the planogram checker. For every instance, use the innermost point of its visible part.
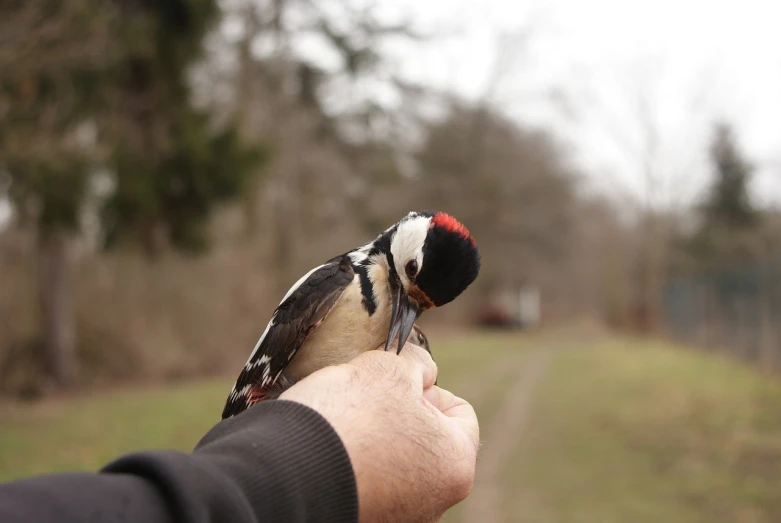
(57, 318)
(244, 119)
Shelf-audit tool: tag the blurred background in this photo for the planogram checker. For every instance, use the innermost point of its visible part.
(168, 169)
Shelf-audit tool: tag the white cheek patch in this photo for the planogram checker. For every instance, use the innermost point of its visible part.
(407, 243)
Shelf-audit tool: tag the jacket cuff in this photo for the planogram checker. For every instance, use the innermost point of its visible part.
(288, 461)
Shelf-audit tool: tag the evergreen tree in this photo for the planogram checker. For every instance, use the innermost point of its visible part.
(89, 84)
(729, 204)
(729, 219)
(171, 167)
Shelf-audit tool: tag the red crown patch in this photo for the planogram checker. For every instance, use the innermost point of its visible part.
(450, 224)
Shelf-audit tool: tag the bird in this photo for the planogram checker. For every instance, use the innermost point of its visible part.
(358, 301)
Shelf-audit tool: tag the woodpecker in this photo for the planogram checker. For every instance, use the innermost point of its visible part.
(357, 301)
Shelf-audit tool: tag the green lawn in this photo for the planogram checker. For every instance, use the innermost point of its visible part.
(87, 432)
(642, 432)
(618, 431)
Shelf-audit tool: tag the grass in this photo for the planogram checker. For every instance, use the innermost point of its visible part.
(620, 430)
(85, 433)
(643, 432)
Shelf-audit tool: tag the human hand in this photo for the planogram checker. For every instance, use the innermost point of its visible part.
(413, 446)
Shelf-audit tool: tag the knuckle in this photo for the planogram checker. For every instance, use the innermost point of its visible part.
(433, 367)
(418, 355)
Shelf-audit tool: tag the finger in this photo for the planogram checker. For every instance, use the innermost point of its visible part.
(463, 415)
(442, 399)
(434, 395)
(458, 410)
(421, 362)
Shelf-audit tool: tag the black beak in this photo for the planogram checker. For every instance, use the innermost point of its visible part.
(403, 316)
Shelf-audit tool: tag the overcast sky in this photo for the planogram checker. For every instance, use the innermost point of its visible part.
(693, 60)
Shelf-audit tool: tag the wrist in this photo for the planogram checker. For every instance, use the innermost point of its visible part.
(285, 453)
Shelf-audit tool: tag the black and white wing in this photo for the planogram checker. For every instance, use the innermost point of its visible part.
(302, 310)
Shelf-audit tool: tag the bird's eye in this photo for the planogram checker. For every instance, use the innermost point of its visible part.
(411, 268)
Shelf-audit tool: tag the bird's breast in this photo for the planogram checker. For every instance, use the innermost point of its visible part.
(347, 331)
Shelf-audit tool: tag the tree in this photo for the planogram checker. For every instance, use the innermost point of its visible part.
(729, 204)
(53, 56)
(91, 85)
(663, 165)
(327, 116)
(171, 167)
(509, 184)
(729, 221)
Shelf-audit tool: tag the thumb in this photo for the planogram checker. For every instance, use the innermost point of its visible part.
(420, 363)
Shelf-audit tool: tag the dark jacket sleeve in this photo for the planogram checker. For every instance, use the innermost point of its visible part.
(278, 461)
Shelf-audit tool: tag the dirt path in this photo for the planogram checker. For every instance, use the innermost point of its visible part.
(484, 505)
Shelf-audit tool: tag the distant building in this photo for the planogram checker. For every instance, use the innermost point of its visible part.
(529, 310)
(514, 306)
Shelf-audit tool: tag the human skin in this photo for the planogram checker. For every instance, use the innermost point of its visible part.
(413, 445)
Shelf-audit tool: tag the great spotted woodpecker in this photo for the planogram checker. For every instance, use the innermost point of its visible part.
(358, 300)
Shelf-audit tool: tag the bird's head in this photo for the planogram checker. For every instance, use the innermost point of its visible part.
(432, 259)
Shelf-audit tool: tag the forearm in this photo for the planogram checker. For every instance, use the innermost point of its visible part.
(279, 461)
